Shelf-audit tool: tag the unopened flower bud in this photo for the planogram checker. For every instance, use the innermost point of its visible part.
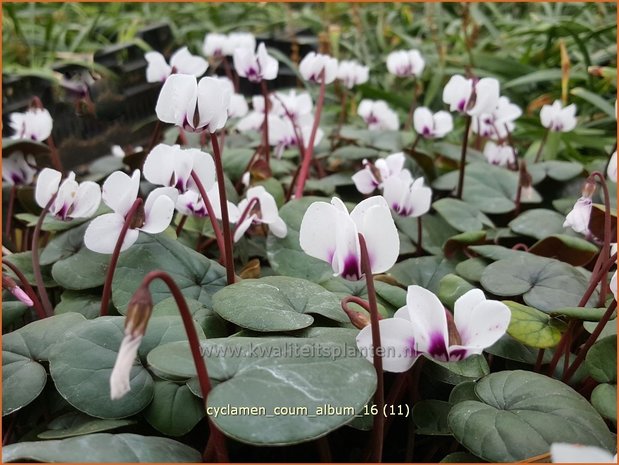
(358, 319)
(139, 311)
(17, 291)
(588, 189)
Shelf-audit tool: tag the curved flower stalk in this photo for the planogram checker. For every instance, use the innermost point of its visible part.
(404, 63)
(423, 327)
(499, 155)
(181, 62)
(432, 126)
(259, 207)
(378, 116)
(556, 118)
(194, 106)
(18, 170)
(255, 66)
(498, 123)
(328, 232)
(407, 196)
(374, 174)
(70, 198)
(575, 453)
(611, 170)
(120, 193)
(34, 124)
(314, 64)
(352, 73)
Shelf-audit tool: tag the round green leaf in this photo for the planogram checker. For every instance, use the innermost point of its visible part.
(544, 283)
(604, 399)
(12, 311)
(538, 223)
(285, 254)
(451, 287)
(471, 269)
(463, 391)
(532, 327)
(601, 360)
(520, 414)
(82, 363)
(435, 232)
(461, 216)
(212, 324)
(197, 276)
(276, 303)
(471, 368)
(424, 271)
(23, 261)
(77, 424)
(269, 373)
(83, 270)
(554, 169)
(102, 447)
(174, 410)
(22, 381)
(83, 302)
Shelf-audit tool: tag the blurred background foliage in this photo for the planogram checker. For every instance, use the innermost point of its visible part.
(518, 43)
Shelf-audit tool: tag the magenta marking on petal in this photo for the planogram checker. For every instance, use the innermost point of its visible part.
(411, 349)
(457, 354)
(351, 268)
(461, 105)
(437, 348)
(426, 131)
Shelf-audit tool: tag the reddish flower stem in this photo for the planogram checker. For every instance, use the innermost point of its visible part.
(605, 252)
(181, 224)
(355, 300)
(230, 74)
(107, 287)
(419, 250)
(265, 124)
(379, 397)
(36, 265)
(9, 212)
(216, 436)
(211, 214)
(590, 341)
(251, 204)
(465, 142)
(309, 149)
(27, 289)
(224, 210)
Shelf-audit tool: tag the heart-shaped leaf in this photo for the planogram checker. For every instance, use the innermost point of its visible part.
(532, 327)
(601, 360)
(461, 215)
(102, 447)
(604, 399)
(276, 303)
(538, 223)
(520, 414)
(23, 380)
(424, 271)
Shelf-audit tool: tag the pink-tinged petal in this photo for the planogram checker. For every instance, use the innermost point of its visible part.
(87, 200)
(47, 185)
(423, 121)
(159, 209)
(183, 165)
(397, 344)
(481, 324)
(103, 232)
(158, 69)
(457, 93)
(575, 453)
(364, 180)
(429, 321)
(365, 108)
(120, 378)
(186, 63)
(374, 222)
(243, 226)
(317, 232)
(20, 295)
(396, 192)
(159, 164)
(120, 191)
(177, 100)
(243, 60)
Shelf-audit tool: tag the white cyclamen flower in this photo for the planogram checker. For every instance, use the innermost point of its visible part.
(328, 232)
(255, 66)
(34, 124)
(181, 62)
(373, 175)
(292, 104)
(239, 40)
(171, 166)
(16, 171)
(611, 171)
(405, 63)
(191, 203)
(499, 122)
(119, 193)
(259, 207)
(283, 136)
(500, 155)
(352, 73)
(192, 105)
(214, 45)
(407, 196)
(558, 119)
(578, 218)
(575, 453)
(421, 328)
(72, 200)
(459, 92)
(378, 116)
(313, 65)
(432, 126)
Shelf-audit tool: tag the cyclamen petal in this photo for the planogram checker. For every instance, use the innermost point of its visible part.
(103, 233)
(405, 63)
(120, 378)
(120, 191)
(34, 124)
(47, 185)
(558, 119)
(17, 171)
(575, 453)
(186, 63)
(313, 64)
(611, 171)
(159, 210)
(255, 66)
(578, 218)
(352, 73)
(397, 342)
